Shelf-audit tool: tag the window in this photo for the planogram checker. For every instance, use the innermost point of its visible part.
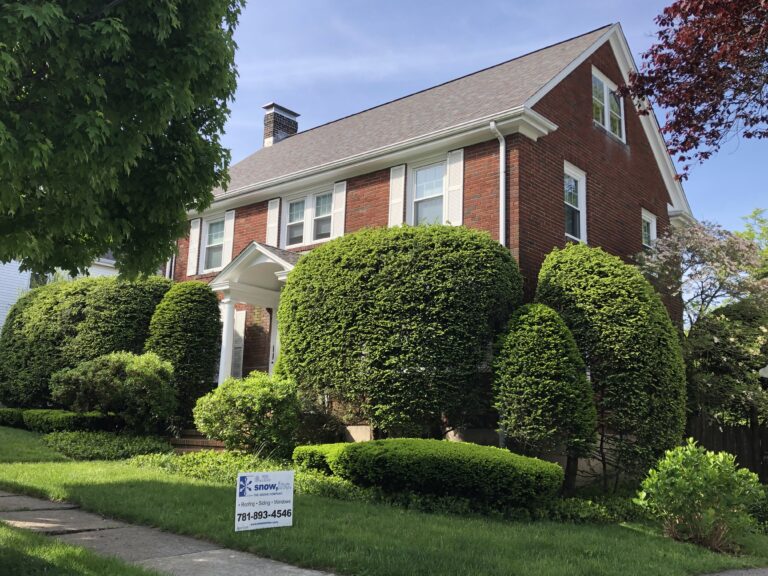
(575, 203)
(214, 244)
(309, 219)
(322, 224)
(648, 228)
(296, 211)
(428, 187)
(607, 106)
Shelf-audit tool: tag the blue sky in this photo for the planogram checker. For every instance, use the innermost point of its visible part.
(330, 58)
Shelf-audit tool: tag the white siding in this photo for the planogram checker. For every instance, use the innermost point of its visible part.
(13, 283)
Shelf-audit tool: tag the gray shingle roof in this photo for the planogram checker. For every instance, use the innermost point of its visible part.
(285, 255)
(496, 89)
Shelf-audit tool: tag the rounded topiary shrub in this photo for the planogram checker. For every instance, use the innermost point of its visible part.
(631, 349)
(253, 414)
(398, 321)
(136, 388)
(186, 331)
(540, 385)
(64, 323)
(701, 496)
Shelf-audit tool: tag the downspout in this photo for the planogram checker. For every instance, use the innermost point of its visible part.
(502, 184)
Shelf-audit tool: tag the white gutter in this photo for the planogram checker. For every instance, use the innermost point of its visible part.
(502, 184)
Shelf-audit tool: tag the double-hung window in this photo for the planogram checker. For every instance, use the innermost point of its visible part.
(309, 219)
(607, 105)
(428, 193)
(648, 228)
(575, 203)
(214, 244)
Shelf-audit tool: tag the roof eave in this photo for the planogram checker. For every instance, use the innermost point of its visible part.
(521, 119)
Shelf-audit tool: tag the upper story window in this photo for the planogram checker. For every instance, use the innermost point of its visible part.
(213, 247)
(648, 228)
(427, 193)
(607, 105)
(575, 203)
(309, 219)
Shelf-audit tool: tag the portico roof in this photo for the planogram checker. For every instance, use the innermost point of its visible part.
(256, 275)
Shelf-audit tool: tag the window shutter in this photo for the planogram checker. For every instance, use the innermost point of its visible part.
(455, 188)
(339, 209)
(396, 194)
(194, 246)
(273, 219)
(229, 237)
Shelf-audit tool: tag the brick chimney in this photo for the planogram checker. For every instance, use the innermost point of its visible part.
(279, 123)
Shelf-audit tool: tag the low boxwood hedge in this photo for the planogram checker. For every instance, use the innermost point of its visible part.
(318, 456)
(104, 445)
(45, 421)
(488, 476)
(13, 417)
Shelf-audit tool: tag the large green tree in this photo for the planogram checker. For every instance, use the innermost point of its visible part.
(110, 121)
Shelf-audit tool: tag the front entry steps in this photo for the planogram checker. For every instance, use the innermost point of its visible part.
(193, 441)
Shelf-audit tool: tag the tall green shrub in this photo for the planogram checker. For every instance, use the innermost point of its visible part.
(540, 386)
(631, 349)
(397, 321)
(137, 388)
(186, 331)
(62, 324)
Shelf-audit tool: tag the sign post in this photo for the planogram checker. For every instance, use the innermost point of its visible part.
(264, 500)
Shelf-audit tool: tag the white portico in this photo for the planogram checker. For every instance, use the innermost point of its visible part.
(255, 277)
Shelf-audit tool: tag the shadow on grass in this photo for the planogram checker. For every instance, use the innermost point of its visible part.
(352, 537)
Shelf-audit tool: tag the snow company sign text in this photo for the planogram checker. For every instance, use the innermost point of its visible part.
(264, 500)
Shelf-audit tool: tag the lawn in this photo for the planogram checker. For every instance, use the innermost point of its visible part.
(23, 553)
(22, 446)
(376, 540)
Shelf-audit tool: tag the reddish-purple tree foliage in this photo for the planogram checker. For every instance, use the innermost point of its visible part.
(709, 69)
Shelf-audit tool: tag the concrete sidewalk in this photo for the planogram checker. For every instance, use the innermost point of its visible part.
(148, 547)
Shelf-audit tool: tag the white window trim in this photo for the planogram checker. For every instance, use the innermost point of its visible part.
(219, 217)
(581, 177)
(608, 87)
(309, 217)
(410, 190)
(649, 217)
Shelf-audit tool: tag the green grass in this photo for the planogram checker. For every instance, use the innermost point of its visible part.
(23, 553)
(356, 538)
(22, 446)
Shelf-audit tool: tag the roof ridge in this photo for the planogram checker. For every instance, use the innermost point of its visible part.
(447, 82)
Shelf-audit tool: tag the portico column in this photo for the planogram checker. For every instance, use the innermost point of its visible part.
(227, 337)
(274, 341)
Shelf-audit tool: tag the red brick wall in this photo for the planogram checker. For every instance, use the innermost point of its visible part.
(367, 201)
(481, 187)
(621, 178)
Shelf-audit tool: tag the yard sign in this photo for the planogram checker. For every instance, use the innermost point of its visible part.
(264, 500)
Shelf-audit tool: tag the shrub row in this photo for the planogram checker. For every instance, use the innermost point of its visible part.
(488, 476)
(104, 445)
(45, 421)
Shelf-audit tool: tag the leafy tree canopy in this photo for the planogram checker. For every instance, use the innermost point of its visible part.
(708, 68)
(110, 122)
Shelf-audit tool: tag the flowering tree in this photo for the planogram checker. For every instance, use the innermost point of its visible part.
(705, 265)
(709, 69)
(756, 230)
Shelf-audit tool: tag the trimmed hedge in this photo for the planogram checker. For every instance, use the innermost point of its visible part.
(64, 323)
(259, 412)
(398, 322)
(104, 445)
(13, 417)
(136, 388)
(491, 477)
(318, 457)
(186, 331)
(631, 348)
(45, 421)
(541, 389)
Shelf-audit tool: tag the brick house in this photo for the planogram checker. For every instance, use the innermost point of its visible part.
(538, 151)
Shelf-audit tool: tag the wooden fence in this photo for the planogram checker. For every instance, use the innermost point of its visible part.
(748, 444)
